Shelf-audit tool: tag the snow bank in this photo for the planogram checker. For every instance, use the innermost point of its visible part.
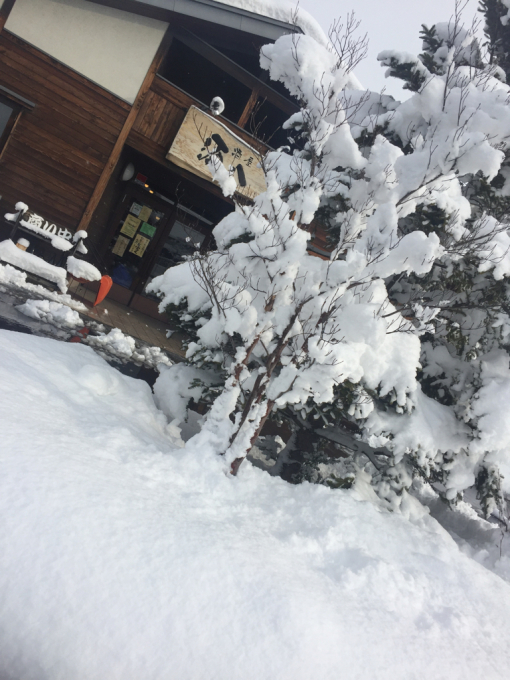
(33, 264)
(11, 276)
(46, 310)
(116, 343)
(124, 557)
(173, 390)
(82, 270)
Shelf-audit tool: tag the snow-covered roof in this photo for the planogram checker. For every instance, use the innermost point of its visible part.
(267, 18)
(284, 11)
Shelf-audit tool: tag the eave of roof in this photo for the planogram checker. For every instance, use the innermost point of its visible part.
(207, 10)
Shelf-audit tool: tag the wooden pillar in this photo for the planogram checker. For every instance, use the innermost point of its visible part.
(5, 11)
(248, 109)
(126, 129)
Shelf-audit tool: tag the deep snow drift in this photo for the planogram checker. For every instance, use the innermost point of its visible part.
(125, 556)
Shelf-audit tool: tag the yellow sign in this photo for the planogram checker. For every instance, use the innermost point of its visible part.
(120, 246)
(201, 137)
(139, 245)
(145, 213)
(131, 224)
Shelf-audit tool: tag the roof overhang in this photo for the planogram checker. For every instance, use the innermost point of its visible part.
(207, 10)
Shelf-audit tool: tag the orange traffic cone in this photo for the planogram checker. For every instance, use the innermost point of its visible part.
(104, 289)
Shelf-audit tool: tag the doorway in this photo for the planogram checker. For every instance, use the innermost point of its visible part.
(148, 233)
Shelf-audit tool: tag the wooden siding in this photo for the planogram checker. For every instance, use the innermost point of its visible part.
(58, 150)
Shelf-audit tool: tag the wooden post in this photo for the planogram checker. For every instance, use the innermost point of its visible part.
(248, 109)
(126, 129)
(5, 11)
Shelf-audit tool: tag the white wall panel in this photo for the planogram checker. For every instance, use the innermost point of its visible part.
(111, 47)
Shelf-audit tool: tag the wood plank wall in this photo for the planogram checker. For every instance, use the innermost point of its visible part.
(58, 150)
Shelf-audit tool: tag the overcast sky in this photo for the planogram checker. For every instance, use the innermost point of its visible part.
(390, 24)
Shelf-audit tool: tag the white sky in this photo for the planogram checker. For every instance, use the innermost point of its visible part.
(390, 24)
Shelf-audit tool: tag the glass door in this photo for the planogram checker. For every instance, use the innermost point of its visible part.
(182, 240)
(148, 234)
(139, 224)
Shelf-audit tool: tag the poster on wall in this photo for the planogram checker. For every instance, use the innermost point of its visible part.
(131, 224)
(135, 209)
(202, 137)
(145, 213)
(120, 246)
(139, 245)
(147, 229)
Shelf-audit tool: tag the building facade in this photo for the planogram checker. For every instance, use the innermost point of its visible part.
(105, 123)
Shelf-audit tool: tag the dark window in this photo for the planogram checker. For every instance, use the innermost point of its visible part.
(266, 124)
(202, 80)
(5, 113)
(250, 62)
(8, 115)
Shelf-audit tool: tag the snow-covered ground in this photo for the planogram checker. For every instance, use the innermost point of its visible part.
(57, 314)
(125, 556)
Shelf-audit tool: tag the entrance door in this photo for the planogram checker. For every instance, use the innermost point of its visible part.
(139, 224)
(148, 234)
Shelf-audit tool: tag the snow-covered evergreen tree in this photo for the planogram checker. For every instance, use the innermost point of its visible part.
(496, 14)
(403, 331)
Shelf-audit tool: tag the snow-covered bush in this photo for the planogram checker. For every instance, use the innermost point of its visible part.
(403, 330)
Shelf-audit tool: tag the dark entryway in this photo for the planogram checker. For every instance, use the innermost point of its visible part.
(150, 222)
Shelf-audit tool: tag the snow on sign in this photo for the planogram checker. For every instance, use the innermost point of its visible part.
(201, 137)
(35, 222)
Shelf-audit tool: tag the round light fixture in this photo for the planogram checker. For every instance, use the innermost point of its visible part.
(129, 172)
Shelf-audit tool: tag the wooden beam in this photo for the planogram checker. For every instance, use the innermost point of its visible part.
(5, 11)
(126, 129)
(248, 109)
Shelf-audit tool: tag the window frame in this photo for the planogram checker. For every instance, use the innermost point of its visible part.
(18, 104)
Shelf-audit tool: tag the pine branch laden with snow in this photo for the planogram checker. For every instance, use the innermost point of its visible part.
(277, 328)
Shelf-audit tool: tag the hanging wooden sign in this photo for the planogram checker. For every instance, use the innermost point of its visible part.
(201, 137)
(31, 220)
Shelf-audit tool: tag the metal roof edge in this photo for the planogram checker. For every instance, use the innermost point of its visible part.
(209, 10)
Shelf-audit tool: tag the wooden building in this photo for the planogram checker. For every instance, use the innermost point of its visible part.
(105, 123)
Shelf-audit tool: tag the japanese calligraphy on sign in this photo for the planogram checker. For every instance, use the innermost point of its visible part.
(139, 245)
(201, 137)
(38, 224)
